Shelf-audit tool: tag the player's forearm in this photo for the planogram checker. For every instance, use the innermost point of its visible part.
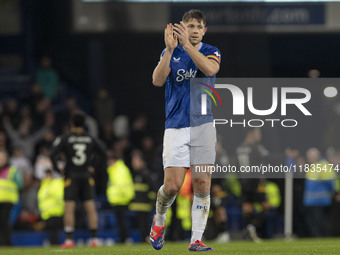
(162, 70)
(205, 65)
(54, 158)
(55, 164)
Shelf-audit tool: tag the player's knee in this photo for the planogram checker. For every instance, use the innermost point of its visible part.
(200, 181)
(172, 188)
(201, 185)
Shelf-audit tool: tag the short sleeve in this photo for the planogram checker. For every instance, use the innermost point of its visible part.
(214, 54)
(162, 54)
(160, 58)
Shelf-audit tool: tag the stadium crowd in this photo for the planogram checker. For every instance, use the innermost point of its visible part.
(134, 171)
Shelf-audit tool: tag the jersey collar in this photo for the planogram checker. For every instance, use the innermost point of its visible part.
(199, 47)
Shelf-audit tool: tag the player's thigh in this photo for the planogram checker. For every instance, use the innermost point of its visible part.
(203, 144)
(87, 189)
(71, 189)
(176, 151)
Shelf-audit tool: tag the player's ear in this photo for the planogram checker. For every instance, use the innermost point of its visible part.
(205, 30)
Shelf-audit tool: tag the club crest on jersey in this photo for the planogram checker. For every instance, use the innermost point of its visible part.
(217, 54)
(183, 74)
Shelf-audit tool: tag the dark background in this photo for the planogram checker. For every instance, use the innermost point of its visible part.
(123, 61)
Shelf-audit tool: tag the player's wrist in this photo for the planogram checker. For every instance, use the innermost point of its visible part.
(186, 45)
(169, 50)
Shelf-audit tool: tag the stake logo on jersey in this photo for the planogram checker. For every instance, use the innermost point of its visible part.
(183, 74)
(177, 92)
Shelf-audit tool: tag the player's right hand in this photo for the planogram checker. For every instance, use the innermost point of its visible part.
(91, 169)
(170, 39)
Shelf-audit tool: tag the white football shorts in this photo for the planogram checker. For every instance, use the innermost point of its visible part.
(183, 147)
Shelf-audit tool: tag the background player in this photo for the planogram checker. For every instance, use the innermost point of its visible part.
(179, 63)
(252, 152)
(79, 149)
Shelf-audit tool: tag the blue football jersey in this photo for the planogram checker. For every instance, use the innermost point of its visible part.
(177, 91)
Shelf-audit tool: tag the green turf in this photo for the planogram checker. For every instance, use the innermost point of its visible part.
(297, 247)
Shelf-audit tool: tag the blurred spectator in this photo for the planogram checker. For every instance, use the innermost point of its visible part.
(107, 135)
(139, 129)
(318, 193)
(42, 109)
(122, 150)
(25, 112)
(121, 126)
(92, 126)
(119, 192)
(104, 108)
(3, 141)
(144, 194)
(29, 214)
(36, 95)
(12, 112)
(22, 138)
(42, 162)
(10, 183)
(71, 107)
(273, 196)
(148, 149)
(51, 204)
(23, 165)
(47, 78)
(2, 112)
(46, 141)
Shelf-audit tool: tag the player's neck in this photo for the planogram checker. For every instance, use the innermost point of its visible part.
(197, 46)
(77, 130)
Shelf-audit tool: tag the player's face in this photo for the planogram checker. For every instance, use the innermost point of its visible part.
(196, 31)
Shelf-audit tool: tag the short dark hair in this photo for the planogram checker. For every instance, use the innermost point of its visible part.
(78, 119)
(194, 14)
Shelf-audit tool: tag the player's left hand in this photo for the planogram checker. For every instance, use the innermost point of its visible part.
(182, 33)
(91, 169)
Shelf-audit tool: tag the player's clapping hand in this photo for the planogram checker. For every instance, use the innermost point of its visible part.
(169, 37)
(182, 33)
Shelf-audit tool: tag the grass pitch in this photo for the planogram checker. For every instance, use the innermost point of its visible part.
(296, 247)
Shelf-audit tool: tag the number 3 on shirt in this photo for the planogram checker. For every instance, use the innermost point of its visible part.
(80, 155)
